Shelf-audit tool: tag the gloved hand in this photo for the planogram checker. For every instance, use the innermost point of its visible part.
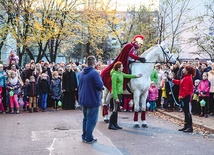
(141, 59)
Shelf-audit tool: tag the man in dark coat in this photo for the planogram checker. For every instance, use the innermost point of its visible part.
(69, 86)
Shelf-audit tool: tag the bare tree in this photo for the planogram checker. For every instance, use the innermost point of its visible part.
(204, 32)
(173, 20)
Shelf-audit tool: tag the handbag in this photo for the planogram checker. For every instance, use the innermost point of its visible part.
(11, 93)
(202, 103)
(59, 103)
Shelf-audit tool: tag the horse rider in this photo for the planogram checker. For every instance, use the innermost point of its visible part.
(128, 55)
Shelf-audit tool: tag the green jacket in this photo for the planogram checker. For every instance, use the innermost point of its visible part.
(154, 76)
(117, 79)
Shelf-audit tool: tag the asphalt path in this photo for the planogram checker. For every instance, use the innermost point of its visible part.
(59, 133)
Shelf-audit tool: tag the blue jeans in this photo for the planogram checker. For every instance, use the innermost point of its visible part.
(44, 101)
(89, 122)
(152, 105)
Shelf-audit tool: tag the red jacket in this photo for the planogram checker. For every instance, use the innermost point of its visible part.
(186, 85)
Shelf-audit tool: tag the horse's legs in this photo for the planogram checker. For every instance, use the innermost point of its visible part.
(136, 98)
(106, 100)
(143, 108)
(105, 110)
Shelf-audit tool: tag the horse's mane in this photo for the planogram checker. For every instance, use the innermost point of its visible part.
(144, 54)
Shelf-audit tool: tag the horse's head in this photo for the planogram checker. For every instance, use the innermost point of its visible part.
(158, 53)
(166, 56)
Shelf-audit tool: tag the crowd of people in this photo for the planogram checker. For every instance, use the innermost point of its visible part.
(38, 85)
(163, 93)
(203, 90)
(166, 94)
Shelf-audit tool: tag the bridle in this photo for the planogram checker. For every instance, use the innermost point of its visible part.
(165, 55)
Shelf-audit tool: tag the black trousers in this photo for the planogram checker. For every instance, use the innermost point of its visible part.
(117, 104)
(205, 108)
(187, 114)
(158, 101)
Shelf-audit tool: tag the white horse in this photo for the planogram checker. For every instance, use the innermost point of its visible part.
(139, 86)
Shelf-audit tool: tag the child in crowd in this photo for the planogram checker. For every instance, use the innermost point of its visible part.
(152, 96)
(32, 93)
(1, 104)
(24, 93)
(43, 86)
(37, 72)
(203, 93)
(13, 56)
(163, 95)
(13, 85)
(55, 89)
(169, 93)
(196, 109)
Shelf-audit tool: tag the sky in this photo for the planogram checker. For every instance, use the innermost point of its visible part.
(123, 4)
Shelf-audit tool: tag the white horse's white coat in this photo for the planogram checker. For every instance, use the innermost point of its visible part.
(140, 86)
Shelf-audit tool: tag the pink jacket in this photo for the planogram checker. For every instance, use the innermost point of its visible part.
(204, 87)
(153, 93)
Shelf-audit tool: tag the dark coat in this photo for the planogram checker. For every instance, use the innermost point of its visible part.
(56, 88)
(168, 89)
(32, 89)
(43, 86)
(69, 81)
(26, 74)
(48, 72)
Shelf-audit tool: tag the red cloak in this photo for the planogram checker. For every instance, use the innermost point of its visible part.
(122, 57)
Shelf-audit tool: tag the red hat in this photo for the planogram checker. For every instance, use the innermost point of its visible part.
(139, 38)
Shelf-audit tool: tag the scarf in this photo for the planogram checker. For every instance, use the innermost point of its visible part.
(14, 81)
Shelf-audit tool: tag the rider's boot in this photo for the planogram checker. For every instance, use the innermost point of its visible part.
(112, 121)
(105, 110)
(116, 125)
(105, 114)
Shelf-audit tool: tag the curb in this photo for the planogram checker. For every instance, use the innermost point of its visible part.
(204, 127)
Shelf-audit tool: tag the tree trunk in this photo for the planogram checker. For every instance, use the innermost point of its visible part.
(55, 51)
(41, 50)
(30, 54)
(1, 45)
(88, 48)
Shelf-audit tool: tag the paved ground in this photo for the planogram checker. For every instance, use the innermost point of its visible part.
(59, 133)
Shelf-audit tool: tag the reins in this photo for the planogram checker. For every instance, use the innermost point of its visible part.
(165, 56)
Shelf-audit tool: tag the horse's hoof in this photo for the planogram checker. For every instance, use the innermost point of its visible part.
(144, 126)
(136, 126)
(106, 120)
